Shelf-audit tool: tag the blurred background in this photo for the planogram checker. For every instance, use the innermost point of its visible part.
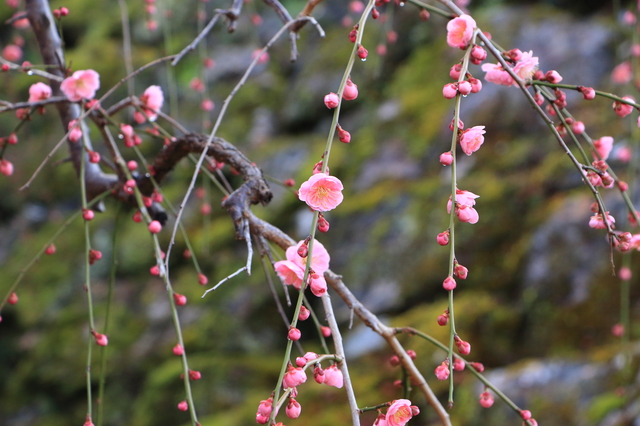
(540, 302)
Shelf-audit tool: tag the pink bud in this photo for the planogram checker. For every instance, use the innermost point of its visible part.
(155, 227)
(12, 139)
(449, 283)
(350, 91)
(449, 91)
(344, 136)
(194, 375)
(87, 214)
(442, 371)
(301, 361)
(424, 14)
(525, 414)
(101, 339)
(454, 72)
(331, 100)
(293, 409)
(412, 354)
(476, 85)
(202, 279)
(13, 298)
(323, 224)
(587, 92)
(486, 399)
(51, 249)
(460, 271)
(180, 299)
(458, 364)
(577, 127)
(446, 158)
(443, 238)
(464, 87)
(362, 53)
(178, 350)
(132, 165)
(478, 53)
(304, 313)
(318, 375)
(464, 347)
(183, 406)
(6, 167)
(477, 366)
(553, 77)
(326, 331)
(394, 361)
(294, 334)
(94, 157)
(443, 319)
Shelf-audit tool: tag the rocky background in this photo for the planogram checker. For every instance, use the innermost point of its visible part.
(540, 300)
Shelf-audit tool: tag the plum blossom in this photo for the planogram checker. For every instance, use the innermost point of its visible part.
(81, 85)
(294, 376)
(603, 146)
(524, 68)
(39, 92)
(465, 201)
(472, 139)
(333, 376)
(622, 73)
(623, 109)
(597, 222)
(399, 413)
(321, 192)
(152, 100)
(460, 31)
(291, 271)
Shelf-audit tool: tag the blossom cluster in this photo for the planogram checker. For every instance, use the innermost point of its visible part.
(291, 271)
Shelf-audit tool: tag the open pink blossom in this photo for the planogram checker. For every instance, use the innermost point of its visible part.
(526, 66)
(39, 92)
(152, 100)
(460, 31)
(472, 139)
(289, 273)
(597, 222)
(399, 413)
(81, 85)
(604, 145)
(319, 258)
(321, 192)
(465, 201)
(496, 74)
(333, 376)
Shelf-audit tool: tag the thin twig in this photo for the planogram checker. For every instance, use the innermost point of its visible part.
(197, 40)
(52, 100)
(224, 280)
(30, 70)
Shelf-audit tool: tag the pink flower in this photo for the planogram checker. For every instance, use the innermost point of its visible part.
(472, 139)
(293, 409)
(319, 258)
(467, 214)
(74, 131)
(526, 66)
(623, 109)
(460, 31)
(496, 74)
(622, 73)
(331, 100)
(318, 285)
(294, 377)
(463, 198)
(486, 399)
(12, 53)
(321, 192)
(597, 222)
(442, 371)
(81, 85)
(289, 273)
(446, 158)
(39, 92)
(152, 100)
(449, 91)
(333, 376)
(399, 413)
(603, 146)
(265, 407)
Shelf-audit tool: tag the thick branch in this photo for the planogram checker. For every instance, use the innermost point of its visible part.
(42, 23)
